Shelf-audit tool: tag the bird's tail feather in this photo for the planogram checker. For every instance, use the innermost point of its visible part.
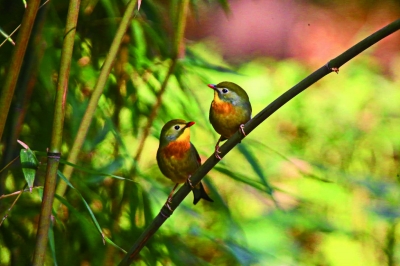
(200, 193)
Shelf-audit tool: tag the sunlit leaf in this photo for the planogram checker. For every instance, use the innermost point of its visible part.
(29, 166)
(52, 245)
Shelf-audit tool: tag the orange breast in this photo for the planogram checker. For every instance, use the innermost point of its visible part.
(223, 108)
(177, 149)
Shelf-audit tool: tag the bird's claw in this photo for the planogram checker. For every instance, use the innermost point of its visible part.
(335, 69)
(217, 153)
(169, 207)
(190, 182)
(241, 128)
(169, 200)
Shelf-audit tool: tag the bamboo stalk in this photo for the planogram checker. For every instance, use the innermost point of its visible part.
(250, 126)
(97, 92)
(16, 62)
(24, 92)
(57, 132)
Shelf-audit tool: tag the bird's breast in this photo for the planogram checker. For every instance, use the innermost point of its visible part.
(223, 108)
(177, 149)
(226, 117)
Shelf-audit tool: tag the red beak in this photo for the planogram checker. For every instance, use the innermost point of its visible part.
(212, 86)
(189, 124)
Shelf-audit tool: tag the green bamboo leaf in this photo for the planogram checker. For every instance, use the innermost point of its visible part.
(140, 47)
(52, 245)
(29, 166)
(83, 219)
(256, 167)
(241, 178)
(94, 220)
(192, 59)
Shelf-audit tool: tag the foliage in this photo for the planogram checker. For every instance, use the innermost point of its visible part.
(331, 155)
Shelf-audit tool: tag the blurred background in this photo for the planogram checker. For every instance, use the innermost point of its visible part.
(331, 155)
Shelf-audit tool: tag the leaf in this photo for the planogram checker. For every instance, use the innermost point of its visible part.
(52, 245)
(256, 166)
(240, 178)
(29, 166)
(192, 59)
(94, 220)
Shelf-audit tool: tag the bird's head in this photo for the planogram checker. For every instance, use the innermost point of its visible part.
(229, 92)
(176, 130)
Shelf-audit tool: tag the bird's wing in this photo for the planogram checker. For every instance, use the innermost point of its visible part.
(196, 153)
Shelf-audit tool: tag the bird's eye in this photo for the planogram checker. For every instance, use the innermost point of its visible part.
(177, 127)
(224, 90)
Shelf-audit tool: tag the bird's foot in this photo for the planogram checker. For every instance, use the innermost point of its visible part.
(169, 201)
(335, 69)
(241, 129)
(189, 182)
(217, 152)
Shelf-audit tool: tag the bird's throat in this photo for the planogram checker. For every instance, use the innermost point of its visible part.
(176, 149)
(223, 108)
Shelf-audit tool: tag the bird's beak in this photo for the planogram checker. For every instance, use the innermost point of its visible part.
(212, 86)
(189, 124)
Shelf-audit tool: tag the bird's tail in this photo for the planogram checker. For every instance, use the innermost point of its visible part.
(200, 193)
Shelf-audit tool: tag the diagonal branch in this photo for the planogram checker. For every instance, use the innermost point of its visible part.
(250, 126)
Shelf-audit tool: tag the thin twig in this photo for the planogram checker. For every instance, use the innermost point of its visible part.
(12, 205)
(12, 33)
(17, 57)
(18, 192)
(9, 164)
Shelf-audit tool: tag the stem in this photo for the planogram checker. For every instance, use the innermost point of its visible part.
(250, 126)
(98, 90)
(56, 138)
(23, 94)
(16, 62)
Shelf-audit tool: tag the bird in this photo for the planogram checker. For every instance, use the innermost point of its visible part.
(178, 159)
(229, 110)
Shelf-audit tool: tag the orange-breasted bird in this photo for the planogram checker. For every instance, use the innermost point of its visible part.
(178, 159)
(229, 110)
